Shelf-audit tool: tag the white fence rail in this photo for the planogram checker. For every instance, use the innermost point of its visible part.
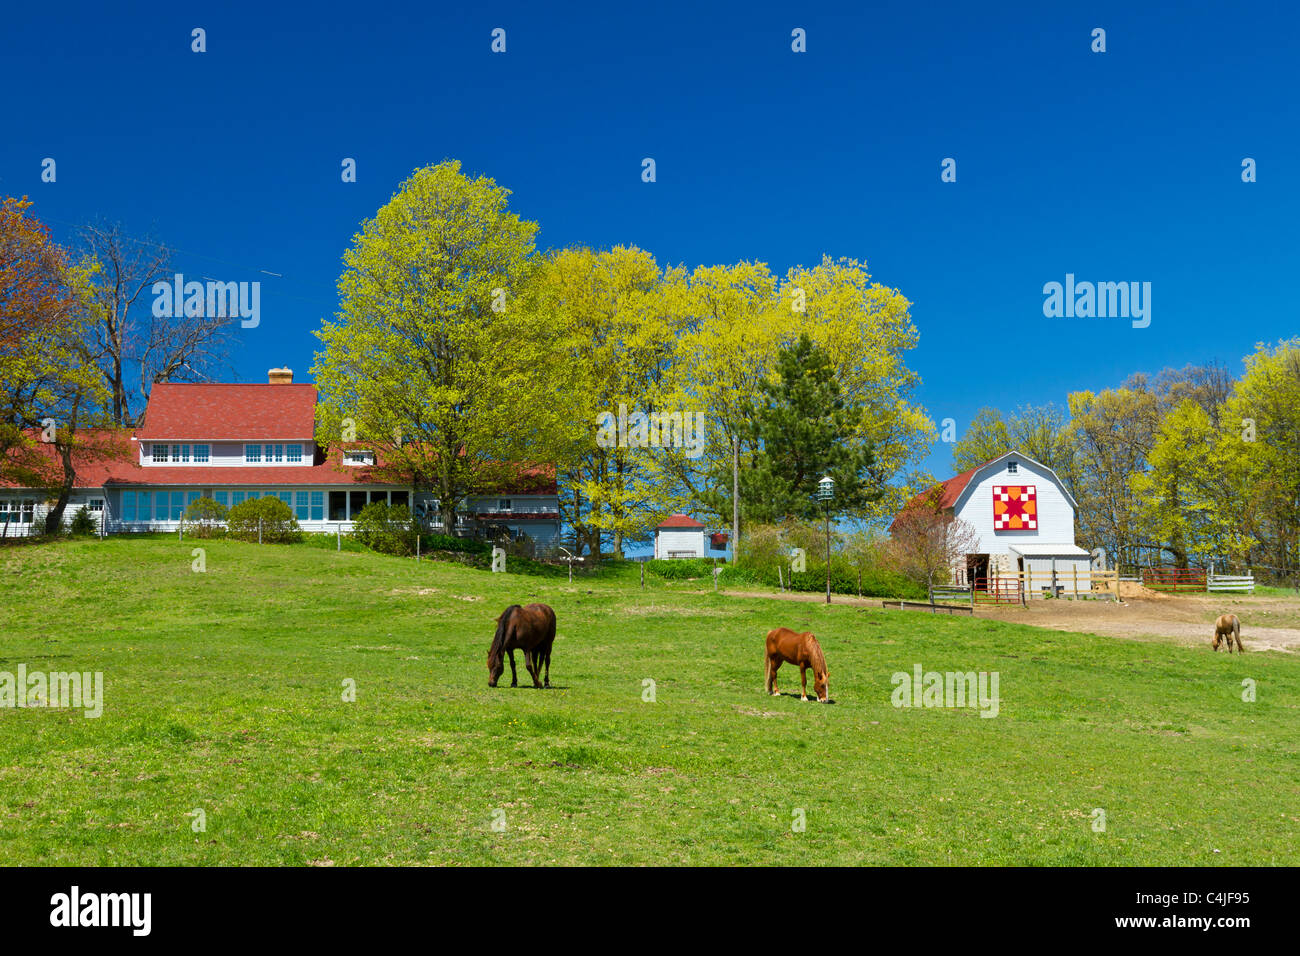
(1231, 582)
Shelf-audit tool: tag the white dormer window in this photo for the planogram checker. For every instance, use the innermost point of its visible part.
(503, 504)
(359, 458)
(1011, 468)
(253, 454)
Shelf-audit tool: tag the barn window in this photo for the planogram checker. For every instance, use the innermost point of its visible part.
(1011, 468)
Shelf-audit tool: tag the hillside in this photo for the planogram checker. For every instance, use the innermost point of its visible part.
(223, 693)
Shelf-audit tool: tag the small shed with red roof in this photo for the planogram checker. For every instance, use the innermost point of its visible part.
(679, 536)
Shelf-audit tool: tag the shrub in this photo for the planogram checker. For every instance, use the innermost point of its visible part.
(679, 569)
(204, 516)
(332, 541)
(385, 528)
(278, 525)
(83, 522)
(446, 542)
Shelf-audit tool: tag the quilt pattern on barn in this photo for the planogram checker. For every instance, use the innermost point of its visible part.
(1015, 508)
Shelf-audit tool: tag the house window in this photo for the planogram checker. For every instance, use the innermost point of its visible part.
(503, 504)
(253, 454)
(11, 512)
(357, 501)
(379, 496)
(287, 498)
(293, 453)
(178, 505)
(338, 506)
(359, 458)
(1011, 468)
(318, 506)
(158, 453)
(301, 507)
(402, 498)
(201, 454)
(185, 453)
(96, 504)
(237, 498)
(274, 453)
(191, 497)
(128, 506)
(221, 497)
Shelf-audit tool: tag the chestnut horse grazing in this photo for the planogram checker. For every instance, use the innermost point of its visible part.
(787, 646)
(1226, 628)
(532, 630)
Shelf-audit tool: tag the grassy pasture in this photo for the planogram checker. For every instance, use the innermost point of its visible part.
(224, 693)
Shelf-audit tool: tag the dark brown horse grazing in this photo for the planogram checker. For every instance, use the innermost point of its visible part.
(532, 630)
(1226, 628)
(785, 645)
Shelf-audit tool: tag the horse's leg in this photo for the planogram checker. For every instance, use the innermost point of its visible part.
(773, 665)
(533, 666)
(803, 681)
(547, 682)
(514, 678)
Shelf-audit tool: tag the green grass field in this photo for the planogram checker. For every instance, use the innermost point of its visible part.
(223, 692)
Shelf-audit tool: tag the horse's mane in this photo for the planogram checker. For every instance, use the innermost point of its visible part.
(818, 658)
(498, 648)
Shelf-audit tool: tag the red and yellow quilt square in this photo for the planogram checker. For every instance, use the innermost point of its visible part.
(1015, 508)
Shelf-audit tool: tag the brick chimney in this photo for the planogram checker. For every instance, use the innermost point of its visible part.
(280, 376)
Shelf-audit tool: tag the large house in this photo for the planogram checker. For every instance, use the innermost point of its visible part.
(235, 442)
(1022, 513)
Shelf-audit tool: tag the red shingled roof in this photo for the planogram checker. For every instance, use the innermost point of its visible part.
(221, 412)
(680, 521)
(949, 491)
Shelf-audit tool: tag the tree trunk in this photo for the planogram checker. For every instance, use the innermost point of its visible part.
(54, 518)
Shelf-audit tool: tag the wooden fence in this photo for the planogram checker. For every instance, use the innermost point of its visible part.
(1021, 587)
(1231, 582)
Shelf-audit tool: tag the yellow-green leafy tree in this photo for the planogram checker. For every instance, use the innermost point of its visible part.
(617, 316)
(1261, 447)
(438, 357)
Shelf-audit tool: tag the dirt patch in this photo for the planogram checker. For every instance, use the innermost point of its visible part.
(1184, 618)
(751, 712)
(1266, 623)
(808, 597)
(1131, 589)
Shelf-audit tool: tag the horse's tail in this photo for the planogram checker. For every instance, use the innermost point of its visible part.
(498, 648)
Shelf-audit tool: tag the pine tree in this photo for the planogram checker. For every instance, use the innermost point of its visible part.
(804, 429)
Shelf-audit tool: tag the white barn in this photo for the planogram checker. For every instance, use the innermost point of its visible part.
(1023, 515)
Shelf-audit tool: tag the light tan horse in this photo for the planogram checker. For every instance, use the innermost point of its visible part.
(802, 649)
(1226, 628)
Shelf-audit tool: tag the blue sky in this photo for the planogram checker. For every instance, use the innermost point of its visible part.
(1122, 166)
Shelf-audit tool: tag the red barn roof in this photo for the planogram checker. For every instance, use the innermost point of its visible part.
(223, 412)
(680, 520)
(943, 495)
